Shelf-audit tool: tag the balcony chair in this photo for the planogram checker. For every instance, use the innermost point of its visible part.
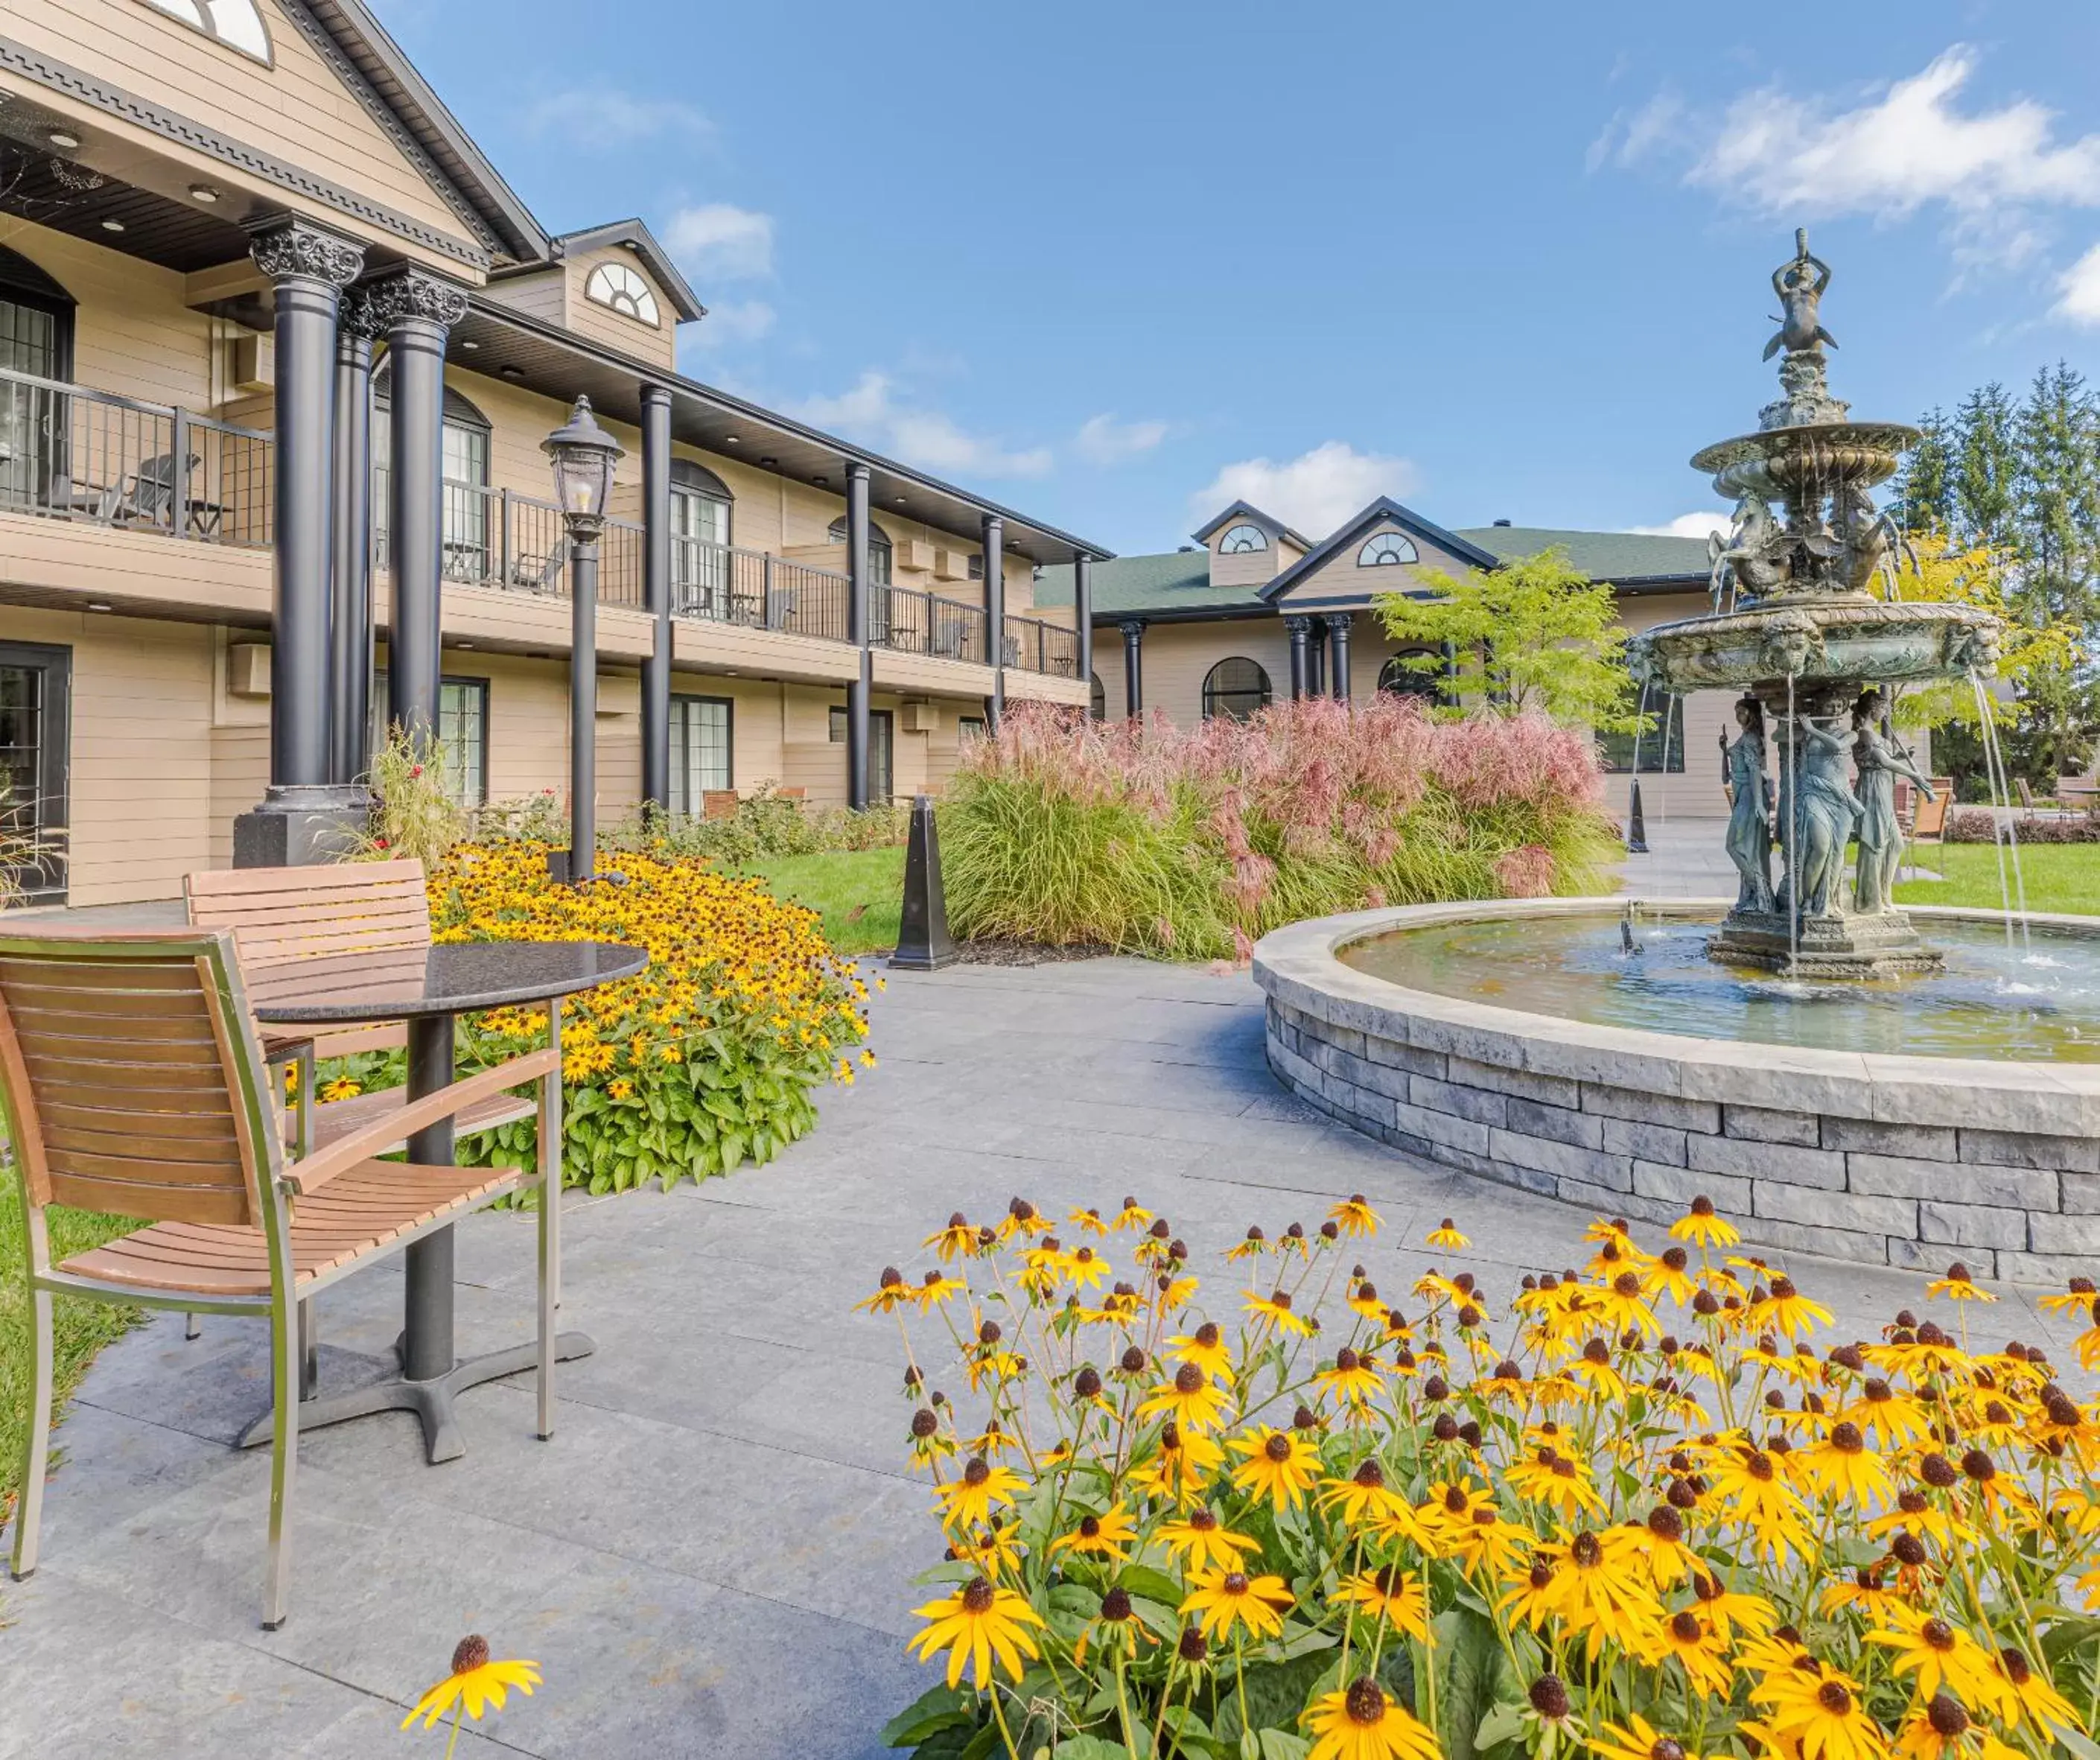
(149, 497)
(131, 1080)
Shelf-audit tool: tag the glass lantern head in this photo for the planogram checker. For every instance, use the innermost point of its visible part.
(583, 455)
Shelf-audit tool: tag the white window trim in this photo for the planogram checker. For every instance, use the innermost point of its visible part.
(208, 10)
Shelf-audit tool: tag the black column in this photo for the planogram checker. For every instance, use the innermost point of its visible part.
(994, 586)
(583, 699)
(656, 595)
(303, 817)
(1133, 668)
(350, 624)
(856, 590)
(1338, 641)
(1082, 614)
(1300, 629)
(417, 309)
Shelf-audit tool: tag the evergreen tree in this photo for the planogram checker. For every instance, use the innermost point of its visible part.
(1923, 500)
(1986, 467)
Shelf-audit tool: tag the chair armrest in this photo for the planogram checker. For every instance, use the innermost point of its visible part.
(305, 1177)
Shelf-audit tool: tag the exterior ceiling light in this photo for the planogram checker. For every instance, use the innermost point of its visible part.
(821, 481)
(64, 140)
(112, 226)
(770, 464)
(203, 193)
(513, 374)
(96, 605)
(468, 344)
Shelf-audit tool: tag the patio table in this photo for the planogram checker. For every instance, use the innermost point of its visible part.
(428, 989)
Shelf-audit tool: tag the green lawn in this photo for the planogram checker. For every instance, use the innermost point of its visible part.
(82, 1328)
(859, 893)
(2059, 877)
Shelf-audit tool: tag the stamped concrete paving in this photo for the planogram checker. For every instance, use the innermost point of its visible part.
(713, 1555)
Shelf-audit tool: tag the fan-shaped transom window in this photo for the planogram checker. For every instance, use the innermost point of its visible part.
(1236, 688)
(1243, 540)
(238, 23)
(616, 285)
(881, 555)
(1387, 550)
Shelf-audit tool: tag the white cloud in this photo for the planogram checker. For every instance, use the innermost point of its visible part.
(1909, 146)
(1632, 136)
(871, 410)
(1315, 491)
(602, 119)
(2078, 290)
(1686, 526)
(719, 240)
(736, 320)
(1103, 440)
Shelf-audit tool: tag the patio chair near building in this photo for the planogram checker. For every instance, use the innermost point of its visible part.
(132, 1080)
(1930, 825)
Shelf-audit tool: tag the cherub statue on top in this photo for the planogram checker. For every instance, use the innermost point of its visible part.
(1800, 285)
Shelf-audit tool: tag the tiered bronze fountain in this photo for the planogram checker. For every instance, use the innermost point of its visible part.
(1808, 624)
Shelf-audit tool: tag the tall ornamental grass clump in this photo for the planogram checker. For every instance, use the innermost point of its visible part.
(1149, 838)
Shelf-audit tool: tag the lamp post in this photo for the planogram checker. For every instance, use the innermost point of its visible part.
(583, 455)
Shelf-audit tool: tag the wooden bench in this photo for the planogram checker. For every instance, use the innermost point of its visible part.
(281, 916)
(132, 1079)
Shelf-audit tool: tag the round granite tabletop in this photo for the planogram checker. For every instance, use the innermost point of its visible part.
(448, 979)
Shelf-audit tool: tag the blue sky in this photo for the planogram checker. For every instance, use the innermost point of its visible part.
(1116, 260)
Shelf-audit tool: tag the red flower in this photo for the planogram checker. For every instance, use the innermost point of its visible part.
(415, 769)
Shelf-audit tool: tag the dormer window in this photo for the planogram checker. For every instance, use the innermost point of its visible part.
(1243, 540)
(235, 22)
(1388, 550)
(622, 289)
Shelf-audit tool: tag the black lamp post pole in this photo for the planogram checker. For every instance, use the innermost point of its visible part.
(583, 697)
(858, 692)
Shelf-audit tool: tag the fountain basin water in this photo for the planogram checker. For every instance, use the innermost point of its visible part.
(1882, 1156)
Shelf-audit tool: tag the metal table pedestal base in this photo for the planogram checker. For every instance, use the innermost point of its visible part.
(430, 1400)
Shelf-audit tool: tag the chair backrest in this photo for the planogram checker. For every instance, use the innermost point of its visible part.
(129, 1076)
(324, 910)
(2025, 794)
(719, 803)
(1931, 820)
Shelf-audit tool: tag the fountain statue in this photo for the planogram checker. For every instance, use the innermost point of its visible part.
(1807, 622)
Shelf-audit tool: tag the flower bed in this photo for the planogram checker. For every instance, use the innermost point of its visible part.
(1143, 837)
(706, 1059)
(1634, 1509)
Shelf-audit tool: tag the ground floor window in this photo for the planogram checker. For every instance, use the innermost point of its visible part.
(1661, 745)
(702, 732)
(36, 688)
(970, 729)
(1097, 699)
(1398, 679)
(463, 732)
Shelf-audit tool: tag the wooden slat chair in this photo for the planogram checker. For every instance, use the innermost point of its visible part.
(131, 1080)
(281, 916)
(1931, 820)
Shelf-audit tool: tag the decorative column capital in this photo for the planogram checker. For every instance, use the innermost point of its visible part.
(407, 295)
(1298, 628)
(1132, 628)
(298, 250)
(1340, 622)
(355, 316)
(653, 394)
(855, 471)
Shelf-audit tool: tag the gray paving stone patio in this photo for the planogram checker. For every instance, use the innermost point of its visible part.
(713, 1555)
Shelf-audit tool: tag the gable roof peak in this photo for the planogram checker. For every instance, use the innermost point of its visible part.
(1380, 511)
(634, 234)
(1248, 511)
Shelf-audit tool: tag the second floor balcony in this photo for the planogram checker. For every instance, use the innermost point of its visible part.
(74, 453)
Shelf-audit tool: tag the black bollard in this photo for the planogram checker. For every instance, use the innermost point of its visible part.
(923, 942)
(1636, 831)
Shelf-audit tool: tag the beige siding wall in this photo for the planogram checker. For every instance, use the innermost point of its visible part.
(296, 111)
(544, 295)
(1340, 578)
(1246, 568)
(616, 330)
(132, 334)
(1177, 657)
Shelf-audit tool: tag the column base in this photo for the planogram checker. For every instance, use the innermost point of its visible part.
(298, 824)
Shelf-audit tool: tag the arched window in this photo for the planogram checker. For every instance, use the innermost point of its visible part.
(235, 22)
(879, 553)
(1097, 704)
(1403, 681)
(36, 337)
(1236, 687)
(1387, 550)
(1243, 540)
(621, 289)
(468, 554)
(700, 509)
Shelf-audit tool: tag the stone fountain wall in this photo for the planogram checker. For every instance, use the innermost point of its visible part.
(1807, 1152)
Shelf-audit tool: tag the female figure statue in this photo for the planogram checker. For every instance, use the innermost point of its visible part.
(1880, 760)
(1750, 825)
(1825, 810)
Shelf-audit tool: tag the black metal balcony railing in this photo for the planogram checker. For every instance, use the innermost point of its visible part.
(68, 452)
(1035, 646)
(924, 622)
(716, 583)
(500, 538)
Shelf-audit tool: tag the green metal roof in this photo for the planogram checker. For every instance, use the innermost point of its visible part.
(1179, 582)
(1601, 555)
